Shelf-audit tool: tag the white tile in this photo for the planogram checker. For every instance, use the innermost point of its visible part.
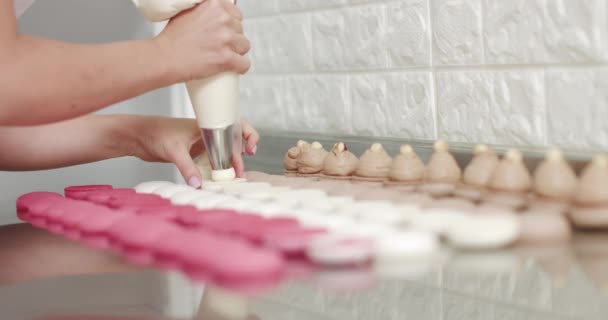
(544, 31)
(251, 8)
(261, 101)
(368, 105)
(258, 33)
(284, 51)
(408, 33)
(293, 46)
(409, 106)
(300, 5)
(504, 107)
(364, 41)
(392, 105)
(577, 107)
(328, 36)
(318, 104)
(457, 32)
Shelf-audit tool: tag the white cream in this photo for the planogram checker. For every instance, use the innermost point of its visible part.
(168, 191)
(150, 186)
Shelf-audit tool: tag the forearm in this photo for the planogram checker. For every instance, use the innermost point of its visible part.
(77, 141)
(44, 81)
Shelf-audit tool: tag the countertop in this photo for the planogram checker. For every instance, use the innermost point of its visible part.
(47, 277)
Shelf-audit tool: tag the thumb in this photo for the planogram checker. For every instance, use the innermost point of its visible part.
(186, 166)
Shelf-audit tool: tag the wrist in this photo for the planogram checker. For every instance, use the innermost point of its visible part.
(124, 135)
(163, 60)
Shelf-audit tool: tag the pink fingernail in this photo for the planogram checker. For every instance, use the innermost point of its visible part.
(255, 149)
(194, 182)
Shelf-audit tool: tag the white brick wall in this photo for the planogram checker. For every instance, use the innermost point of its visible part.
(516, 72)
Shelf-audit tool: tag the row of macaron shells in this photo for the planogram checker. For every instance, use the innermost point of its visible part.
(366, 210)
(135, 225)
(148, 230)
(553, 186)
(400, 225)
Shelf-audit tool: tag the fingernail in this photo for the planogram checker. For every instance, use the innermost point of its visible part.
(194, 182)
(255, 149)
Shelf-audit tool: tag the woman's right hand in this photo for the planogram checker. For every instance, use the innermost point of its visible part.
(205, 40)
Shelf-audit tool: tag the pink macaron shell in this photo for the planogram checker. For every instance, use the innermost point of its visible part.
(102, 197)
(166, 251)
(25, 201)
(80, 192)
(163, 212)
(36, 212)
(199, 217)
(195, 256)
(135, 201)
(292, 243)
(236, 225)
(246, 266)
(138, 232)
(94, 230)
(256, 234)
(77, 211)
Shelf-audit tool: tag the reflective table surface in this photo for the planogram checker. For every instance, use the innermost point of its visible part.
(46, 277)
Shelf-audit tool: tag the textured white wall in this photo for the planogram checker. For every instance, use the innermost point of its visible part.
(516, 72)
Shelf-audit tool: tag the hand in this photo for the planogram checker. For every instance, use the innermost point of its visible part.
(162, 139)
(204, 41)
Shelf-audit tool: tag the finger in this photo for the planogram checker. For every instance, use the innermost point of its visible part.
(251, 136)
(236, 26)
(239, 165)
(240, 44)
(238, 63)
(186, 166)
(232, 9)
(196, 148)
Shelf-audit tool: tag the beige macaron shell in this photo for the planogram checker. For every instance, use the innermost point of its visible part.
(290, 159)
(374, 163)
(311, 159)
(442, 166)
(340, 162)
(554, 178)
(544, 228)
(511, 175)
(407, 166)
(480, 169)
(593, 186)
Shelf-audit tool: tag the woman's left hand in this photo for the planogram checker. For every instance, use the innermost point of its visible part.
(178, 140)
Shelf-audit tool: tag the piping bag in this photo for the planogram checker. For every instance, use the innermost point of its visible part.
(214, 100)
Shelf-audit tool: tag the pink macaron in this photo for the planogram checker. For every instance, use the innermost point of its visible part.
(167, 250)
(80, 192)
(230, 263)
(76, 211)
(256, 233)
(195, 218)
(37, 212)
(291, 243)
(94, 231)
(135, 236)
(134, 201)
(162, 212)
(25, 201)
(102, 197)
